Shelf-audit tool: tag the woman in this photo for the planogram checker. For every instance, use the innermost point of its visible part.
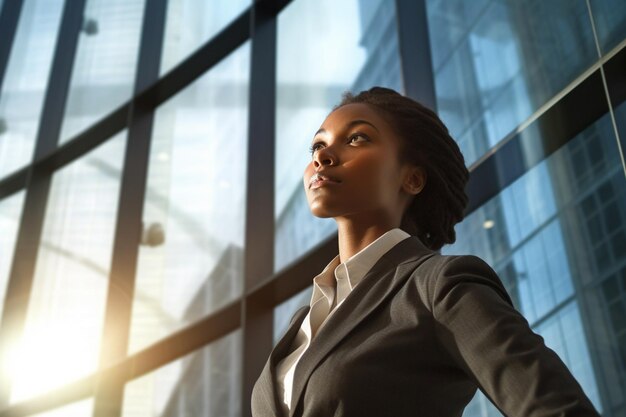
(394, 328)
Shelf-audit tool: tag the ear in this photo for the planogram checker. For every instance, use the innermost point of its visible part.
(414, 180)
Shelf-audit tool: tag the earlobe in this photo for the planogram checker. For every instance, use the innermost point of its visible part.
(415, 180)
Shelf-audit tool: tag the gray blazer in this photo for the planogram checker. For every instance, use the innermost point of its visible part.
(417, 337)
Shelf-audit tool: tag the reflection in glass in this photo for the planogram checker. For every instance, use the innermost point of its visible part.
(61, 340)
(556, 238)
(497, 62)
(10, 211)
(104, 67)
(610, 20)
(284, 312)
(620, 123)
(190, 23)
(324, 48)
(25, 81)
(191, 261)
(207, 382)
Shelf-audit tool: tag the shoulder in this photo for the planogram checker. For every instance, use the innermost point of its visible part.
(440, 275)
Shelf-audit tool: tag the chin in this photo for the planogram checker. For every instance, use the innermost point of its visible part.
(323, 211)
(323, 214)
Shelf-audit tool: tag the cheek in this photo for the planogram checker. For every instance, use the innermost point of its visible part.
(373, 172)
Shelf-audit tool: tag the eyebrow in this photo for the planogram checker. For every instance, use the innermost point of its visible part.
(351, 124)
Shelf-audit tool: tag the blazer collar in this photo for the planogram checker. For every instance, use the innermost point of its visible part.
(376, 286)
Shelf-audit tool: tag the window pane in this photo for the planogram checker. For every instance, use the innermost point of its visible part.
(556, 238)
(620, 121)
(25, 81)
(191, 23)
(195, 198)
(207, 382)
(284, 312)
(80, 409)
(104, 67)
(61, 340)
(324, 48)
(497, 62)
(10, 212)
(610, 19)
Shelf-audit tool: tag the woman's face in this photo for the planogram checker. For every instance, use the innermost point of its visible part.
(357, 148)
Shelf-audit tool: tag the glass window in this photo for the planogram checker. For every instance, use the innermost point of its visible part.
(283, 313)
(556, 239)
(25, 81)
(497, 62)
(564, 333)
(620, 122)
(190, 23)
(610, 20)
(324, 48)
(10, 211)
(206, 382)
(80, 409)
(104, 67)
(61, 340)
(190, 263)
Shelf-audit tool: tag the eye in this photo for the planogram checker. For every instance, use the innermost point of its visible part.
(358, 135)
(313, 147)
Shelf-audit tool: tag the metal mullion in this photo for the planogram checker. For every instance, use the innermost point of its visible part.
(192, 67)
(556, 127)
(37, 188)
(9, 17)
(415, 55)
(490, 175)
(120, 296)
(13, 183)
(257, 317)
(615, 77)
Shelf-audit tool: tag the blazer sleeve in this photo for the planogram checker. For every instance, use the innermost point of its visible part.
(477, 324)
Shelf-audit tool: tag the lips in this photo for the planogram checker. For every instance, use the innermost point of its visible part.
(322, 177)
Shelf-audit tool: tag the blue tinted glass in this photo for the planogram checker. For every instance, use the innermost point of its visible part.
(556, 237)
(497, 62)
(610, 20)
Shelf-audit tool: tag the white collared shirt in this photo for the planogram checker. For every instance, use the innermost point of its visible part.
(336, 278)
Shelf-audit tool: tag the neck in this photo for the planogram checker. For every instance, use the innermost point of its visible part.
(353, 236)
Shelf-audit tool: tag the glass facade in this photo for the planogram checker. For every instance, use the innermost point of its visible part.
(203, 383)
(105, 62)
(533, 92)
(190, 262)
(25, 81)
(358, 50)
(66, 308)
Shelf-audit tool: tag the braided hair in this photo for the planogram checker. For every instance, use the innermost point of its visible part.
(425, 142)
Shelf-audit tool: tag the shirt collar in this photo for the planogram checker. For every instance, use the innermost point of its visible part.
(355, 267)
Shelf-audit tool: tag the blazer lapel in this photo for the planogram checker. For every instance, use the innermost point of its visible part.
(269, 378)
(378, 284)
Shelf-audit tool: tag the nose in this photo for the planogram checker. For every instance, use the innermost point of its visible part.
(324, 157)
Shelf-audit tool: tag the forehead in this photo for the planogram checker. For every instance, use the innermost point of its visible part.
(353, 111)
